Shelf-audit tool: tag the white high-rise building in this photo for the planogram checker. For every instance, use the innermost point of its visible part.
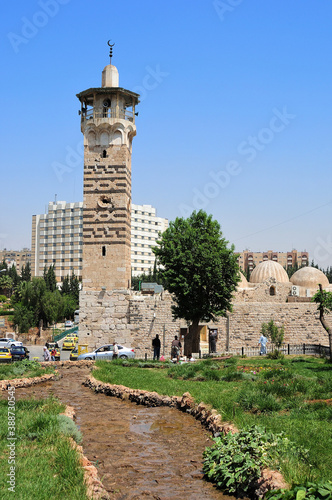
(145, 230)
(57, 239)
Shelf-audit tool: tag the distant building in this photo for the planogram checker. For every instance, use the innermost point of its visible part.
(249, 260)
(57, 239)
(145, 230)
(17, 258)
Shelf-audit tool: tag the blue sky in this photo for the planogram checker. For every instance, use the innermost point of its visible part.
(235, 113)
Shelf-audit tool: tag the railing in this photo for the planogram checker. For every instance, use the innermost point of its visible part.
(286, 349)
(63, 334)
(121, 114)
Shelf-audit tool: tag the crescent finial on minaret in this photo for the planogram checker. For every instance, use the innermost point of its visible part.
(111, 50)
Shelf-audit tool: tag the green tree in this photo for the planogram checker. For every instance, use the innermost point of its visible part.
(26, 272)
(50, 278)
(65, 288)
(74, 285)
(69, 306)
(12, 272)
(6, 282)
(199, 270)
(274, 333)
(324, 301)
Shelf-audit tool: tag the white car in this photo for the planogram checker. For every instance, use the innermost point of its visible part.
(106, 353)
(4, 342)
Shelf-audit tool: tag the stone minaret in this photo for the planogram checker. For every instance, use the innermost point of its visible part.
(108, 126)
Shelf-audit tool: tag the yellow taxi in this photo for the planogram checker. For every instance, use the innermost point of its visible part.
(74, 353)
(69, 343)
(5, 355)
(73, 335)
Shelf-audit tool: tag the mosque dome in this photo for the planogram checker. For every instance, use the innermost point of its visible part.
(269, 269)
(309, 277)
(243, 283)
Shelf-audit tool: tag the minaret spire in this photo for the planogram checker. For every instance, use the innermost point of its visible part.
(111, 50)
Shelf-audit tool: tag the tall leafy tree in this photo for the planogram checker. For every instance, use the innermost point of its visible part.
(12, 272)
(74, 285)
(65, 288)
(199, 269)
(50, 278)
(26, 272)
(323, 300)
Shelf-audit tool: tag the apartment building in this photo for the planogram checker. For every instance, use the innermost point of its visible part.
(249, 260)
(57, 239)
(145, 230)
(17, 258)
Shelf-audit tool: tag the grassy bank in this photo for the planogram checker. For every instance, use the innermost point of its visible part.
(45, 464)
(23, 369)
(280, 395)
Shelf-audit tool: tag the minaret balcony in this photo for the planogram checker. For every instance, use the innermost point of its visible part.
(107, 113)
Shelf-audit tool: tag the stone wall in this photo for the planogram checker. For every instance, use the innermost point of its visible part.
(133, 319)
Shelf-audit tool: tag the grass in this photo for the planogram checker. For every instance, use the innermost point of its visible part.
(46, 465)
(275, 394)
(25, 368)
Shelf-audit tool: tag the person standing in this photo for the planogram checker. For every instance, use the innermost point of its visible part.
(156, 347)
(213, 335)
(115, 351)
(46, 354)
(176, 348)
(262, 341)
(53, 354)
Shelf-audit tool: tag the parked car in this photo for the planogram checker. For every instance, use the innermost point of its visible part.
(55, 345)
(8, 342)
(106, 353)
(69, 343)
(72, 336)
(69, 324)
(74, 354)
(5, 355)
(18, 353)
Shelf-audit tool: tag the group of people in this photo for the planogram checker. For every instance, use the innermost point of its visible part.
(49, 356)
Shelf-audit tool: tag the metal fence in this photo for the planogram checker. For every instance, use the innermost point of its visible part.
(286, 349)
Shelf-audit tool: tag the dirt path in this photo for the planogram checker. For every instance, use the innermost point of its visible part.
(140, 452)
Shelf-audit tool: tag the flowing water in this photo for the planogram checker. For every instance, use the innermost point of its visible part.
(140, 452)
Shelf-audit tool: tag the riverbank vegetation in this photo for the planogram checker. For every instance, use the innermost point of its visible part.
(24, 369)
(289, 397)
(40, 462)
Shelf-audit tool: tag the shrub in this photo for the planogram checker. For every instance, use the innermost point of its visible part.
(69, 428)
(311, 491)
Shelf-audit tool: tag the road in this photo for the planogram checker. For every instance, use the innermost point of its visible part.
(37, 351)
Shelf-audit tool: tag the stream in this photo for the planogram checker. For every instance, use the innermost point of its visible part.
(140, 452)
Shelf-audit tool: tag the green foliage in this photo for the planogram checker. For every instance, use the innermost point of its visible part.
(150, 277)
(3, 298)
(67, 427)
(274, 333)
(311, 491)
(6, 282)
(276, 354)
(235, 461)
(50, 278)
(25, 368)
(197, 267)
(324, 300)
(26, 272)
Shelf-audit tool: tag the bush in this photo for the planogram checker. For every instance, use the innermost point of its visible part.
(311, 491)
(275, 355)
(235, 461)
